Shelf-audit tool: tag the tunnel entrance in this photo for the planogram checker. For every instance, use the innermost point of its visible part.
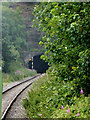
(38, 64)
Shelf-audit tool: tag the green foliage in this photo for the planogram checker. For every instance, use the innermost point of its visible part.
(17, 72)
(48, 95)
(81, 103)
(14, 35)
(66, 40)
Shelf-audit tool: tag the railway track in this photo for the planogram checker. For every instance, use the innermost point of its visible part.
(10, 95)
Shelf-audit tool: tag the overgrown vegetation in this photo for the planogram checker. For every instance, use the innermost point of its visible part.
(66, 41)
(17, 72)
(48, 95)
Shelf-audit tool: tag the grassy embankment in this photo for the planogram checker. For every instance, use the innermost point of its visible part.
(17, 72)
(51, 98)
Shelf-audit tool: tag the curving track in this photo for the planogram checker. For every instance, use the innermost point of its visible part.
(10, 95)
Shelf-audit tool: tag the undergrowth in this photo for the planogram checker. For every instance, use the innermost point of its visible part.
(49, 94)
(17, 72)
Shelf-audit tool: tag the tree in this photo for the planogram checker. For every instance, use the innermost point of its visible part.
(14, 35)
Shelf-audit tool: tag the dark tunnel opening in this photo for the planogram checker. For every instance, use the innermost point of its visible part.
(38, 64)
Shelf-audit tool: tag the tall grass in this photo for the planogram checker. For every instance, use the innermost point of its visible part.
(17, 72)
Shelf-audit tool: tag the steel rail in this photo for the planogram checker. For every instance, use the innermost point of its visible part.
(19, 83)
(15, 97)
